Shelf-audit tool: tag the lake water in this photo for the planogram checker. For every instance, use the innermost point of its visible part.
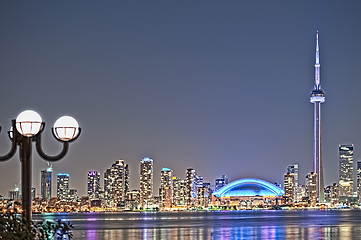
(332, 224)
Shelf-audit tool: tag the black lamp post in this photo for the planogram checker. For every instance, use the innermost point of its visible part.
(27, 128)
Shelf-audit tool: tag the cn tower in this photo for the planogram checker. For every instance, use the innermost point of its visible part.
(317, 97)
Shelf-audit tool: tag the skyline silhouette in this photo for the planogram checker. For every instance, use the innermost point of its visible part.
(219, 87)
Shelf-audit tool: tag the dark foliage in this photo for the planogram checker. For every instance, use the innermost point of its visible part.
(12, 227)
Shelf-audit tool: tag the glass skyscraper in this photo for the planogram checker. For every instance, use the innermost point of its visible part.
(179, 192)
(116, 184)
(146, 182)
(293, 169)
(93, 184)
(191, 187)
(46, 175)
(312, 188)
(221, 182)
(289, 187)
(346, 170)
(63, 186)
(166, 188)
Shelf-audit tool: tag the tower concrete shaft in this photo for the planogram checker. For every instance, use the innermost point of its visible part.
(318, 97)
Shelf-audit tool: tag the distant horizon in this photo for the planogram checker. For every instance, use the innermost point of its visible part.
(54, 179)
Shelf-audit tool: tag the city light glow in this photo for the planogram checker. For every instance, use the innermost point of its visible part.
(63, 174)
(249, 187)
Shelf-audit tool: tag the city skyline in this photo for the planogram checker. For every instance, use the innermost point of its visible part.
(205, 86)
(116, 181)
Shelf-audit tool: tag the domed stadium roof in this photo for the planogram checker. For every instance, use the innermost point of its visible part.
(249, 187)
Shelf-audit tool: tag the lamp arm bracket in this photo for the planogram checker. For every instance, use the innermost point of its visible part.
(12, 151)
(47, 157)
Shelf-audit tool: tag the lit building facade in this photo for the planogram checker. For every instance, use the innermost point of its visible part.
(116, 184)
(45, 189)
(346, 170)
(221, 182)
(133, 199)
(179, 192)
(93, 184)
(146, 182)
(33, 193)
(289, 187)
(204, 195)
(301, 193)
(62, 188)
(191, 187)
(209, 189)
(332, 194)
(15, 194)
(73, 195)
(108, 202)
(166, 188)
(293, 169)
(199, 181)
(359, 181)
(312, 188)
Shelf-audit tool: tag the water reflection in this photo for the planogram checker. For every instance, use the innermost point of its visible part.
(272, 233)
(217, 225)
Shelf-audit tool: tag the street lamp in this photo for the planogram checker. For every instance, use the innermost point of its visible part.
(27, 128)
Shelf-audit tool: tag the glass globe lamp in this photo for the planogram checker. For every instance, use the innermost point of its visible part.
(28, 123)
(66, 128)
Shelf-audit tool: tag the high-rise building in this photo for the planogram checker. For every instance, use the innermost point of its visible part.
(146, 182)
(346, 170)
(293, 169)
(179, 192)
(359, 180)
(208, 186)
(312, 188)
(116, 184)
(221, 182)
(126, 179)
(15, 194)
(289, 185)
(332, 194)
(93, 184)
(33, 193)
(317, 97)
(63, 186)
(108, 188)
(191, 187)
(301, 193)
(166, 188)
(133, 200)
(199, 181)
(73, 195)
(46, 183)
(204, 195)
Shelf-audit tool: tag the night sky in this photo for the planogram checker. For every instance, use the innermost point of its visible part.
(219, 86)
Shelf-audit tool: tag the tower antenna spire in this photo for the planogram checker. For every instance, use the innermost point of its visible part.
(317, 65)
